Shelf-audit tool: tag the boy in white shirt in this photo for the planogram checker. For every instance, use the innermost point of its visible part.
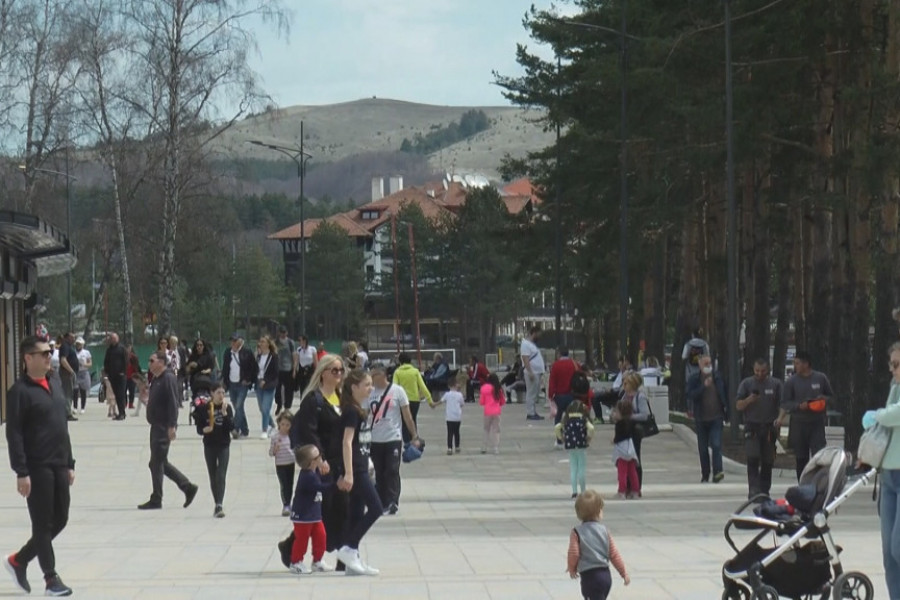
(454, 401)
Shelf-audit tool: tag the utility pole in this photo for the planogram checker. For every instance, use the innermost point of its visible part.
(732, 311)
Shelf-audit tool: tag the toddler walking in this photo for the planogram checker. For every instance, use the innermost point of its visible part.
(575, 431)
(306, 511)
(624, 453)
(453, 401)
(492, 399)
(280, 448)
(592, 549)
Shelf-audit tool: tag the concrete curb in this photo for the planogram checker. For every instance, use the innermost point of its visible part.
(733, 467)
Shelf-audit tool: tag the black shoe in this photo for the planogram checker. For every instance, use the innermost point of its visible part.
(71, 418)
(18, 573)
(704, 479)
(55, 587)
(189, 494)
(392, 510)
(150, 505)
(574, 495)
(120, 417)
(284, 549)
(535, 417)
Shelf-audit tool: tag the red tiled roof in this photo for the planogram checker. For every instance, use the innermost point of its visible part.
(522, 187)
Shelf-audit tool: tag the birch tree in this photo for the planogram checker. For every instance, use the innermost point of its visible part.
(193, 57)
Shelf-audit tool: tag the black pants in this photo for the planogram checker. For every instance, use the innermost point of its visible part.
(118, 386)
(365, 509)
(285, 482)
(414, 412)
(335, 506)
(386, 459)
(759, 446)
(562, 403)
(807, 438)
(48, 507)
(640, 465)
(284, 393)
(596, 583)
(453, 434)
(217, 468)
(160, 465)
(130, 391)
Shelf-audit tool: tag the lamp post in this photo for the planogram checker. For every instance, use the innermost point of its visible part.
(732, 312)
(300, 157)
(412, 256)
(624, 37)
(69, 180)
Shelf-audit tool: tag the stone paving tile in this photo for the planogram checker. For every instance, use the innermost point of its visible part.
(470, 526)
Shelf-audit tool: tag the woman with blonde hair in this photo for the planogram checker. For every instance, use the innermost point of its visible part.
(266, 382)
(633, 392)
(318, 422)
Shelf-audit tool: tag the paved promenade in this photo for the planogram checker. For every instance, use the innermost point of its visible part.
(470, 526)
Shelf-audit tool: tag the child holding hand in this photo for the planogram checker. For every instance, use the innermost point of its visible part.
(592, 549)
(306, 511)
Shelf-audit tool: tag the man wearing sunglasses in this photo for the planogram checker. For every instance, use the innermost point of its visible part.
(40, 453)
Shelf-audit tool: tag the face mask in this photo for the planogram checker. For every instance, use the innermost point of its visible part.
(707, 370)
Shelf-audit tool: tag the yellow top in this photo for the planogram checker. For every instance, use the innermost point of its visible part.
(410, 379)
(333, 399)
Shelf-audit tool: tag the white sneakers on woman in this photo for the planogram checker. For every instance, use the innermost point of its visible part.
(353, 563)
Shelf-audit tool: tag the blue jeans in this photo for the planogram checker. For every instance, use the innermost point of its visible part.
(237, 393)
(577, 469)
(265, 398)
(709, 436)
(890, 529)
(365, 509)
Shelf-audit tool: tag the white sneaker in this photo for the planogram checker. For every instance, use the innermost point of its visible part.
(300, 568)
(369, 570)
(286, 511)
(322, 567)
(350, 558)
(264, 436)
(82, 411)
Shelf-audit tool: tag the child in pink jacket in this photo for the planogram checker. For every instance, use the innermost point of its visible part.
(492, 399)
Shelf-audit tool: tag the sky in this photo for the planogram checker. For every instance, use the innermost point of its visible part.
(429, 51)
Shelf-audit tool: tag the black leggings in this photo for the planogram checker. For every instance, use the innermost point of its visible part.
(286, 482)
(452, 434)
(48, 507)
(217, 468)
(414, 413)
(595, 583)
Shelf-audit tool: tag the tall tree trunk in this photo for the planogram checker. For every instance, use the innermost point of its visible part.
(123, 256)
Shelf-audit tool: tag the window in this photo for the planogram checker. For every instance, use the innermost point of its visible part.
(369, 215)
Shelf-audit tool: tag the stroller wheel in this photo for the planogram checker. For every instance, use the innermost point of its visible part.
(736, 593)
(765, 592)
(853, 585)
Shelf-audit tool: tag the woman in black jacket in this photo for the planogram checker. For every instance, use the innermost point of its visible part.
(318, 422)
(215, 421)
(201, 367)
(266, 382)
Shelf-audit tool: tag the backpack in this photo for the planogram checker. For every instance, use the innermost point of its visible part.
(576, 433)
(580, 383)
(694, 354)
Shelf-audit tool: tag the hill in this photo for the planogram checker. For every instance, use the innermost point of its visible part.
(338, 131)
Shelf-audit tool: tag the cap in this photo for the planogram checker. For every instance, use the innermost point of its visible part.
(79, 340)
(52, 342)
(236, 336)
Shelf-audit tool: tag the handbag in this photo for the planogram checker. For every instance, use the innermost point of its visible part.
(873, 445)
(648, 428)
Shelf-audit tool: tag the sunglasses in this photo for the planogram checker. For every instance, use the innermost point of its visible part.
(44, 353)
(337, 371)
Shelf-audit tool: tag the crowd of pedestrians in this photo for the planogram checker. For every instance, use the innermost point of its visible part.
(348, 432)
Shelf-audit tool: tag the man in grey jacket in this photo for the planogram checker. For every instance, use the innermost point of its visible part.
(805, 398)
(162, 415)
(758, 399)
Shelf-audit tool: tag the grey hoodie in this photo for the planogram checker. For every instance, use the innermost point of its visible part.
(696, 347)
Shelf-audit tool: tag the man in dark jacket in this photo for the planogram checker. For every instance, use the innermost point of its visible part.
(162, 415)
(239, 371)
(115, 363)
(706, 392)
(40, 453)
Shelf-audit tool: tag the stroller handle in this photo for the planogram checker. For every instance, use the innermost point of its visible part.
(861, 481)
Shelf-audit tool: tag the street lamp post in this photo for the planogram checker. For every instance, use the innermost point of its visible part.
(300, 157)
(732, 312)
(415, 281)
(69, 180)
(624, 37)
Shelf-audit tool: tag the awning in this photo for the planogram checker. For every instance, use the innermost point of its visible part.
(33, 239)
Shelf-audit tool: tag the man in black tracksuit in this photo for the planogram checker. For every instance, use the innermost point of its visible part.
(162, 414)
(40, 453)
(115, 364)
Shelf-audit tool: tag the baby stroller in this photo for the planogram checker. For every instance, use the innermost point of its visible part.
(807, 565)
